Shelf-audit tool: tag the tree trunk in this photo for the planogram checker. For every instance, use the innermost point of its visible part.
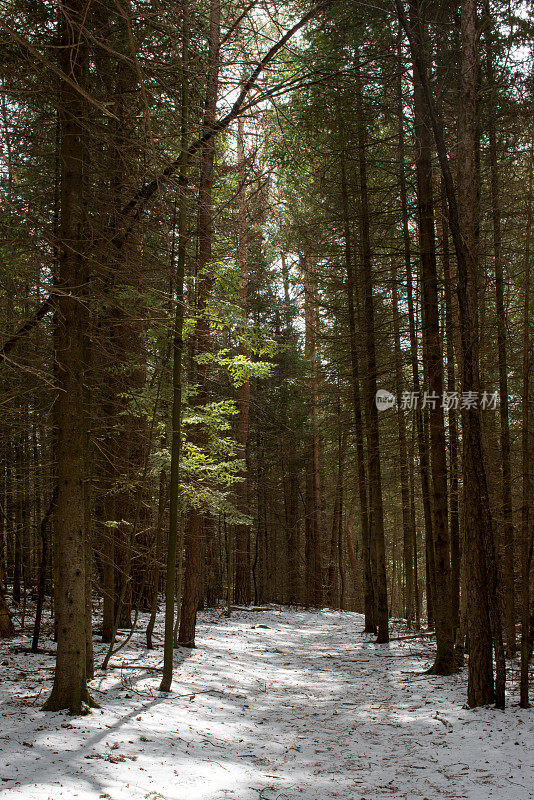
(333, 585)
(242, 532)
(195, 536)
(314, 531)
(42, 573)
(444, 662)
(378, 552)
(484, 624)
(417, 602)
(527, 534)
(369, 602)
(452, 419)
(506, 474)
(483, 614)
(192, 578)
(7, 628)
(407, 533)
(177, 355)
(422, 442)
(158, 555)
(292, 468)
(70, 683)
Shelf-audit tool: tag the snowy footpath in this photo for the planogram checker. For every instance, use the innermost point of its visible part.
(272, 705)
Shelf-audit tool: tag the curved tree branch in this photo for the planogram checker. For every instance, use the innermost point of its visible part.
(131, 212)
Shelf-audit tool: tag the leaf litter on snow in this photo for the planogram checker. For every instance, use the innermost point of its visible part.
(273, 703)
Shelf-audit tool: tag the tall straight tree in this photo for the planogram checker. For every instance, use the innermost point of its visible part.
(452, 420)
(173, 548)
(422, 442)
(444, 662)
(314, 527)
(291, 482)
(407, 532)
(378, 549)
(484, 623)
(242, 589)
(195, 532)
(527, 522)
(506, 470)
(70, 680)
(368, 592)
(407, 527)
(119, 338)
(483, 614)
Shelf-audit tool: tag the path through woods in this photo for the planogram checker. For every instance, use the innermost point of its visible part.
(272, 705)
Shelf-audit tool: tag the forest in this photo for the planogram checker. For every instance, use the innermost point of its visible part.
(267, 429)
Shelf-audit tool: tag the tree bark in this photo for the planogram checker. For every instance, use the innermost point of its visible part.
(507, 523)
(314, 530)
(407, 533)
(484, 623)
(483, 613)
(195, 535)
(7, 628)
(42, 573)
(422, 442)
(242, 532)
(292, 469)
(444, 662)
(452, 418)
(70, 682)
(369, 603)
(334, 573)
(173, 550)
(378, 550)
(527, 533)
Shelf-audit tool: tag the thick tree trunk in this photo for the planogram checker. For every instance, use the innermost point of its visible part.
(369, 603)
(483, 614)
(444, 662)
(174, 545)
(195, 537)
(378, 550)
(422, 442)
(507, 524)
(17, 539)
(70, 683)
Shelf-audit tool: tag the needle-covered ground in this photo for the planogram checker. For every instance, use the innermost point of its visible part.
(272, 705)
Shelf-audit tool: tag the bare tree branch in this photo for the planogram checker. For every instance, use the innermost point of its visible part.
(133, 209)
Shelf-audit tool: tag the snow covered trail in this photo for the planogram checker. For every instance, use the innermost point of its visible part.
(272, 705)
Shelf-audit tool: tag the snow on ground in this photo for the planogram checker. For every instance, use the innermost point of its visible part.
(272, 705)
